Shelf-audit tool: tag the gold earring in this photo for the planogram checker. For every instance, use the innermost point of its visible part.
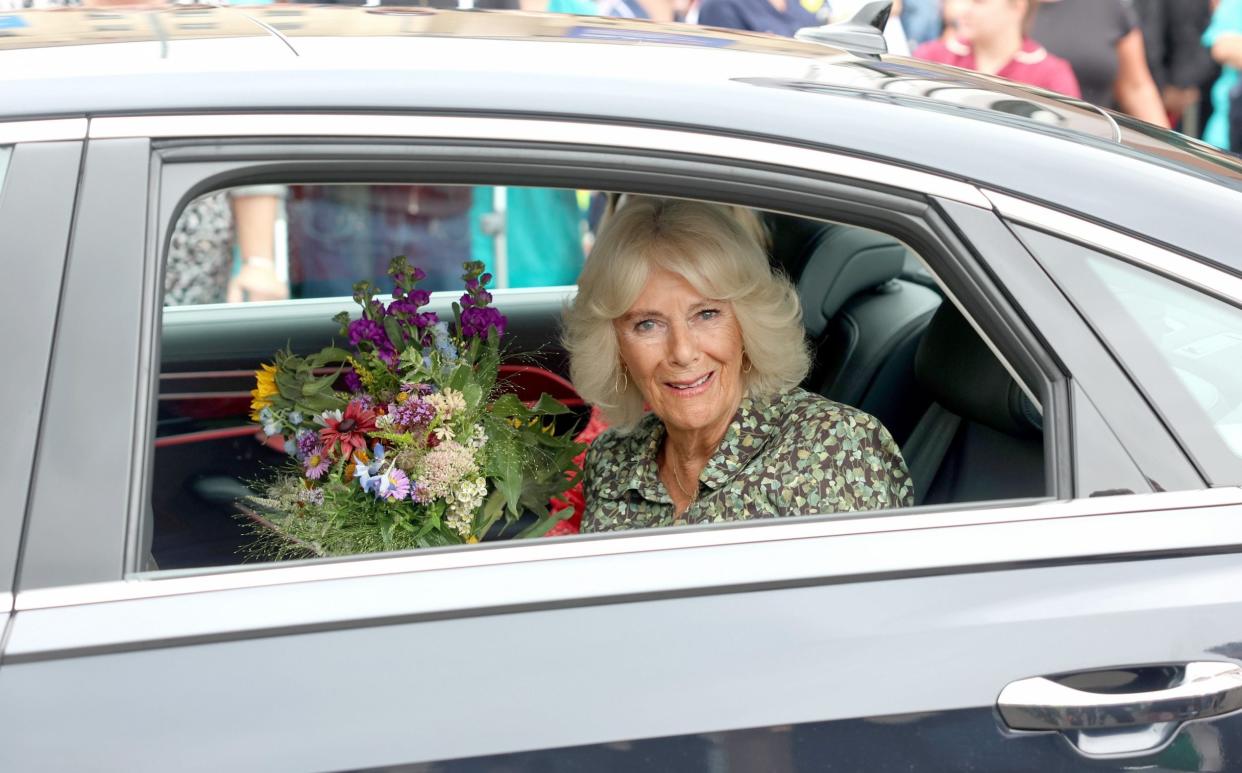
(625, 381)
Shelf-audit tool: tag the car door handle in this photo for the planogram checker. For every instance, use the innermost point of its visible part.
(1208, 690)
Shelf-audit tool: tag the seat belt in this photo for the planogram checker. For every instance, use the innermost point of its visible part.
(927, 446)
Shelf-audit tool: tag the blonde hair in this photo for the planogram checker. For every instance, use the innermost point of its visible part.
(719, 254)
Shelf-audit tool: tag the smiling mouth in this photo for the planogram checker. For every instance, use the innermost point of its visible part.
(691, 386)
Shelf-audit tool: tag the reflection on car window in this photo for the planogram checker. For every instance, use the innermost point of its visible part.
(314, 241)
(1183, 345)
(1199, 338)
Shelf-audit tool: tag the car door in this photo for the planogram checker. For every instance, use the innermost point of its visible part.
(38, 177)
(876, 641)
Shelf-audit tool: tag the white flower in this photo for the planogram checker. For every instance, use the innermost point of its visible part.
(383, 422)
(468, 498)
(478, 438)
(447, 403)
(322, 419)
(443, 433)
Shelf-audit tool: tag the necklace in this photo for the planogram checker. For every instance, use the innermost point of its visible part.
(681, 485)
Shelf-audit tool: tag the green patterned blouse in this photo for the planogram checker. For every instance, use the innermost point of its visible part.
(793, 453)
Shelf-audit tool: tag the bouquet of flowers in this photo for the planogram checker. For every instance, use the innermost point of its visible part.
(406, 439)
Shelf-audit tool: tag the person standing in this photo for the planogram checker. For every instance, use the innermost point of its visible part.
(989, 36)
(1224, 39)
(1102, 41)
(779, 17)
(1179, 64)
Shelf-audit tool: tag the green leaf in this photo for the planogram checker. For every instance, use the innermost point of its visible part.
(549, 406)
(327, 356)
(510, 487)
(393, 330)
(541, 527)
(493, 506)
(319, 403)
(473, 394)
(509, 405)
(460, 377)
(504, 467)
(317, 386)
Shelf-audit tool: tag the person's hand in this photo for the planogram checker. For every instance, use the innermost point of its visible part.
(1178, 100)
(257, 281)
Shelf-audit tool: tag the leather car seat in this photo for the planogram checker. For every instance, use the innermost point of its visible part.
(982, 437)
(864, 323)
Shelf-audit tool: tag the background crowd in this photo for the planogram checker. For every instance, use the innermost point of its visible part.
(1173, 63)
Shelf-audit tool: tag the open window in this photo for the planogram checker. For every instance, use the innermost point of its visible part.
(885, 336)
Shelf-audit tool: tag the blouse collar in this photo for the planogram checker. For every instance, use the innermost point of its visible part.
(753, 424)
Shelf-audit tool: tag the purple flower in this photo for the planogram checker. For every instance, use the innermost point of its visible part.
(307, 443)
(412, 413)
(420, 493)
(352, 381)
(476, 320)
(393, 485)
(366, 330)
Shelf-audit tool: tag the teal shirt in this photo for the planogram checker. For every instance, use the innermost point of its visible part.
(580, 7)
(543, 232)
(1226, 20)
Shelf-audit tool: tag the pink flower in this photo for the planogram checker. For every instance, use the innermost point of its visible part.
(394, 485)
(316, 464)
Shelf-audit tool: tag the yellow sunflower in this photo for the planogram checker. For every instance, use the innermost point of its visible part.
(265, 389)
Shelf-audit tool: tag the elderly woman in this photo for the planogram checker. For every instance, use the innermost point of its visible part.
(693, 349)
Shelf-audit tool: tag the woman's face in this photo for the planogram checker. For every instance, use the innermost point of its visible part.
(684, 353)
(984, 20)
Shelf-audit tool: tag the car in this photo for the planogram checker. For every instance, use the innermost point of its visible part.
(1041, 300)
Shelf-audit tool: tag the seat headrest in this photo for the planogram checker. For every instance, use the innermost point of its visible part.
(845, 262)
(961, 373)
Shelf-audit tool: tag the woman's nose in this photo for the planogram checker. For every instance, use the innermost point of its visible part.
(683, 345)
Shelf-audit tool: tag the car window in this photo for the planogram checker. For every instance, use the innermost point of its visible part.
(244, 398)
(1183, 345)
(263, 243)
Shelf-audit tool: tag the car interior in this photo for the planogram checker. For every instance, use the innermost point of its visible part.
(883, 335)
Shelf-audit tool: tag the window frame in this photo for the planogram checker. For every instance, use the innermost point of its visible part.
(185, 169)
(849, 194)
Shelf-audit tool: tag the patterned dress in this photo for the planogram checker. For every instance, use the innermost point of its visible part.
(794, 453)
(200, 255)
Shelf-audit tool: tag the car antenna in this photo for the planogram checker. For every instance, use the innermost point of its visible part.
(863, 34)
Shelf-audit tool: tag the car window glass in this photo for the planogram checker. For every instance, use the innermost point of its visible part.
(275, 242)
(1182, 344)
(867, 304)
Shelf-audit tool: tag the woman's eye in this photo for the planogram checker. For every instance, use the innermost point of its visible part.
(709, 314)
(645, 326)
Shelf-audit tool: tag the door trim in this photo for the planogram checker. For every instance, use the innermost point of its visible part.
(156, 584)
(575, 133)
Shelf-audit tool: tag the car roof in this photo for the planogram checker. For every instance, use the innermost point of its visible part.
(70, 62)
